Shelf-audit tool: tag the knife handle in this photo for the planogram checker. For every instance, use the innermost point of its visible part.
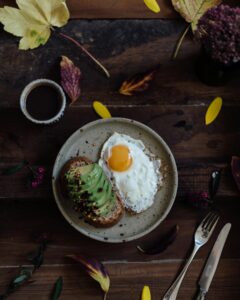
(201, 295)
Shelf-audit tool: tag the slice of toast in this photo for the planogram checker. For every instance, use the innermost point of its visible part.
(98, 221)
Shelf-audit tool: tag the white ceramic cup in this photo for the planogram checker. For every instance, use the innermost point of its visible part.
(42, 82)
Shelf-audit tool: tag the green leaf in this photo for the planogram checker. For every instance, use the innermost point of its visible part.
(57, 289)
(14, 169)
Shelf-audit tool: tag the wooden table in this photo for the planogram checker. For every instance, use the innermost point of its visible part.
(125, 47)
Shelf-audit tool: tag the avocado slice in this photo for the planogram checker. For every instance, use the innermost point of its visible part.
(98, 199)
(107, 207)
(90, 184)
(87, 178)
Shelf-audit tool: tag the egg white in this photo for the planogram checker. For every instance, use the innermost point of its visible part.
(138, 185)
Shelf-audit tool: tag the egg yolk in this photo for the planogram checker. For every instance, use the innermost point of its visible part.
(120, 159)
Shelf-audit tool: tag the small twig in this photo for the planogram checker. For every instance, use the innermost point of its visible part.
(179, 42)
(86, 52)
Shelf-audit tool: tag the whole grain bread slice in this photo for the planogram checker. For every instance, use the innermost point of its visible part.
(107, 221)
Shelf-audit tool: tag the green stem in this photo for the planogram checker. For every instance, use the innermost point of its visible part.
(179, 42)
(86, 52)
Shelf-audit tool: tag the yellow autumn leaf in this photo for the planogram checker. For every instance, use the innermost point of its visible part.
(101, 110)
(33, 20)
(213, 110)
(152, 5)
(192, 10)
(146, 294)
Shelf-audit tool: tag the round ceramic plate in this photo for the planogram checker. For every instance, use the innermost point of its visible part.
(88, 141)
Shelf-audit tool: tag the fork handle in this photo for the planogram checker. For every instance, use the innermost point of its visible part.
(172, 292)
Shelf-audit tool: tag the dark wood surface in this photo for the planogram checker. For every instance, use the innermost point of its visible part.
(125, 47)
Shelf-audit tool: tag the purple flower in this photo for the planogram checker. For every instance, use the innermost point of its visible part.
(37, 176)
(199, 199)
(219, 31)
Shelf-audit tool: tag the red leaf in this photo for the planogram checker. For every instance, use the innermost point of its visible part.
(70, 78)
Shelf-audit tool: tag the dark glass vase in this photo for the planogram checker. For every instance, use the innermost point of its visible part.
(213, 73)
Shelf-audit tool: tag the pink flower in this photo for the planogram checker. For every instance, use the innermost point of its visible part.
(35, 184)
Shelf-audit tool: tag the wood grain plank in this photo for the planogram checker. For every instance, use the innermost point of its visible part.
(21, 220)
(157, 275)
(115, 9)
(123, 47)
(112, 9)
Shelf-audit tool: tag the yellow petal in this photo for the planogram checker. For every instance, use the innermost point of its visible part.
(152, 5)
(101, 110)
(146, 294)
(213, 110)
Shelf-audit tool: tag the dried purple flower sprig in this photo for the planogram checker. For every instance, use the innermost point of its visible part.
(36, 173)
(219, 31)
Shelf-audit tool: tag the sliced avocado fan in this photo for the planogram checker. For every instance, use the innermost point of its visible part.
(89, 186)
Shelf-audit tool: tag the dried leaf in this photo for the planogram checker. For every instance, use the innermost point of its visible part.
(213, 110)
(70, 78)
(137, 84)
(101, 110)
(162, 244)
(235, 164)
(152, 5)
(33, 20)
(37, 257)
(57, 289)
(14, 169)
(95, 269)
(192, 11)
(214, 183)
(146, 294)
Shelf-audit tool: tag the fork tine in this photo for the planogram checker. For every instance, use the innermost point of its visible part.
(209, 220)
(205, 219)
(213, 224)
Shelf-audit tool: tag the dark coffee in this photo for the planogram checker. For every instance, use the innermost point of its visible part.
(43, 102)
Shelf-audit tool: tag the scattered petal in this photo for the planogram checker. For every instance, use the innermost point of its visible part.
(101, 110)
(235, 164)
(213, 110)
(152, 5)
(57, 289)
(162, 244)
(137, 84)
(146, 294)
(95, 269)
(70, 78)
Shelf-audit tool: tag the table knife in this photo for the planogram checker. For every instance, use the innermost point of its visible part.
(212, 262)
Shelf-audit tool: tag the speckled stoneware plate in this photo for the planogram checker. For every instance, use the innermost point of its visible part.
(88, 141)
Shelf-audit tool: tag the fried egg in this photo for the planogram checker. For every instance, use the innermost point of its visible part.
(132, 169)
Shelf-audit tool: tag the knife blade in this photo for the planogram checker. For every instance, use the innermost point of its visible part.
(212, 262)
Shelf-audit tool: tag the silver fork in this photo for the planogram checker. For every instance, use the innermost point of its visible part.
(202, 235)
